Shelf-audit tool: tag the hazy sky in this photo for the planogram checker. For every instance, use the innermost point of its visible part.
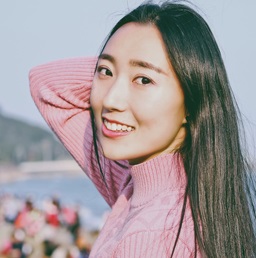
(33, 32)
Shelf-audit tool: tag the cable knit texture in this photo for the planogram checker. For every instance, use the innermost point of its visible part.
(146, 199)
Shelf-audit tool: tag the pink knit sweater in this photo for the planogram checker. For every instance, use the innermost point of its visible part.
(146, 199)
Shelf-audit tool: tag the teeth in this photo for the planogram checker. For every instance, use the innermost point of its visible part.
(113, 127)
(117, 127)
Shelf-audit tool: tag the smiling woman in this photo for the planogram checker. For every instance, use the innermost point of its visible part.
(153, 123)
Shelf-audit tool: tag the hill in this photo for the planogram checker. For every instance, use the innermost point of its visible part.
(21, 141)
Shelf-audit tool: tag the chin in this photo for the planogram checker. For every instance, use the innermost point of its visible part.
(132, 159)
(114, 155)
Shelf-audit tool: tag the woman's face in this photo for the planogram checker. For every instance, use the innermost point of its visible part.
(136, 98)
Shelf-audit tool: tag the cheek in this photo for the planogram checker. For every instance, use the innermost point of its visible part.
(95, 99)
(160, 112)
(96, 107)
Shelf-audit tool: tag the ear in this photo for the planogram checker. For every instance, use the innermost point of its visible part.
(184, 121)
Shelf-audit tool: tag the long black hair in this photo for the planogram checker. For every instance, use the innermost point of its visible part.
(217, 172)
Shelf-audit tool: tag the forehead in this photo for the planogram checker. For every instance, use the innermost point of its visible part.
(140, 42)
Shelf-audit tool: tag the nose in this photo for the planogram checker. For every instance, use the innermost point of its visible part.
(116, 98)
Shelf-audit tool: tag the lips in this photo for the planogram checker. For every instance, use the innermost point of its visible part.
(117, 127)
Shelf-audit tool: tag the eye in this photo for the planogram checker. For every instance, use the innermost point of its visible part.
(142, 80)
(104, 71)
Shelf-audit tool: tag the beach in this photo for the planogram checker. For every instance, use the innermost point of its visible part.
(74, 193)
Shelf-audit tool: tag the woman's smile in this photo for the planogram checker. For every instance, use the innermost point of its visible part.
(117, 126)
(115, 129)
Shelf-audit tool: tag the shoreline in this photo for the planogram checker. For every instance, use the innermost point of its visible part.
(10, 176)
(39, 169)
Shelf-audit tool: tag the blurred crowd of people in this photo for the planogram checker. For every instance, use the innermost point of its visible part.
(52, 231)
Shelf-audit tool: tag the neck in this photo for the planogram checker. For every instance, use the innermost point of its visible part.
(152, 177)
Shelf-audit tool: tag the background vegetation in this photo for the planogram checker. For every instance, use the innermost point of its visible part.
(21, 141)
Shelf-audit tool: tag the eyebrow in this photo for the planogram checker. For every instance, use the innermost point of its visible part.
(144, 64)
(134, 63)
(107, 57)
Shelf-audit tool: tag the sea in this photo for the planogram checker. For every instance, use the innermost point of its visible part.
(75, 191)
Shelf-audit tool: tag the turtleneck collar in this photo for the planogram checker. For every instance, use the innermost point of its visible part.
(156, 175)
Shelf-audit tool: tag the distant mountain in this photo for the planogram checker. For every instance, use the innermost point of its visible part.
(21, 141)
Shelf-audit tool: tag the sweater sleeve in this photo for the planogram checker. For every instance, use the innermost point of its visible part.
(61, 91)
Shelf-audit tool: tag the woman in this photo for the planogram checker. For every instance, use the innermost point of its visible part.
(153, 123)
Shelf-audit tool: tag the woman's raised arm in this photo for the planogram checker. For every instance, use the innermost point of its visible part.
(61, 91)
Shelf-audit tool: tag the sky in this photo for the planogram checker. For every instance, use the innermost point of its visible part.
(33, 32)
